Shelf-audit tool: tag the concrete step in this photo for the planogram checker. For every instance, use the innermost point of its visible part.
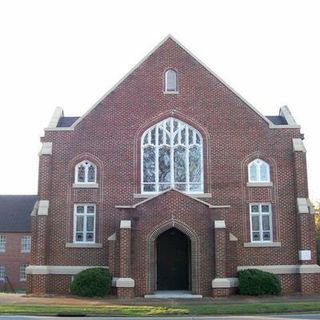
(173, 295)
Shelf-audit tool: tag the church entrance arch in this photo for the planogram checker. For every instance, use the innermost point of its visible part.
(187, 251)
(173, 256)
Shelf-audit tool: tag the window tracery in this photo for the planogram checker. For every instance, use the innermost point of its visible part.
(172, 158)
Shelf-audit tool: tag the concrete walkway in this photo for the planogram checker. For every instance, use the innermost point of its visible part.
(10, 298)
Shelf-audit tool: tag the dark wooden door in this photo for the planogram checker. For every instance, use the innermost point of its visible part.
(173, 261)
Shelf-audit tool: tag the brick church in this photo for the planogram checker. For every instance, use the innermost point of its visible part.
(175, 183)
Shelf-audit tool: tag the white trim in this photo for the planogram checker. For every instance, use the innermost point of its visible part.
(85, 185)
(193, 195)
(166, 76)
(285, 112)
(302, 205)
(86, 164)
(59, 129)
(47, 269)
(34, 209)
(46, 148)
(22, 271)
(25, 244)
(57, 114)
(285, 269)
(43, 208)
(298, 145)
(125, 224)
(113, 237)
(258, 163)
(3, 243)
(85, 214)
(219, 224)
(232, 237)
(224, 283)
(311, 206)
(261, 244)
(125, 283)
(259, 184)
(261, 214)
(83, 245)
(304, 255)
(134, 206)
(171, 92)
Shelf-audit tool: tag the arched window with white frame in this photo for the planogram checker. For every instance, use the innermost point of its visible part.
(171, 81)
(171, 157)
(85, 172)
(258, 171)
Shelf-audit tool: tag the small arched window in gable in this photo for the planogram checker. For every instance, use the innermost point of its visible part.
(171, 81)
(85, 172)
(258, 171)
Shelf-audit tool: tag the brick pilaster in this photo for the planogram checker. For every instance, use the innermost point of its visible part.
(111, 253)
(305, 224)
(220, 248)
(125, 285)
(221, 285)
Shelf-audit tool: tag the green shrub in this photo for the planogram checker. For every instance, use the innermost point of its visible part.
(255, 282)
(94, 282)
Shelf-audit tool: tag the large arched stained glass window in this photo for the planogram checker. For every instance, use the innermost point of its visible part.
(171, 157)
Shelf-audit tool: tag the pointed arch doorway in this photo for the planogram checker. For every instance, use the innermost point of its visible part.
(173, 261)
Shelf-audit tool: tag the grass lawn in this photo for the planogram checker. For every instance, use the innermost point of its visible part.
(122, 310)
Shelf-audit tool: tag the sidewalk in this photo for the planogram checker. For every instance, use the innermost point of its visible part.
(10, 298)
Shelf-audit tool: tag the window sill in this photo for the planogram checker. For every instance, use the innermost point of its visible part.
(83, 245)
(151, 195)
(171, 92)
(261, 244)
(25, 251)
(259, 184)
(85, 185)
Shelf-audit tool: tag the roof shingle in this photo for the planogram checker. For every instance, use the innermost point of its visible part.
(15, 212)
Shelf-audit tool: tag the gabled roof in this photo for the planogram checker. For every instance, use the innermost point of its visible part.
(272, 125)
(134, 206)
(15, 212)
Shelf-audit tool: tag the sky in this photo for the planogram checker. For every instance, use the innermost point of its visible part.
(70, 53)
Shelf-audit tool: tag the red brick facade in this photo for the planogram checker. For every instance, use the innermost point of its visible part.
(13, 258)
(216, 221)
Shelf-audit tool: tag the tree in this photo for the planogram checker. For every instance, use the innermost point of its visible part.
(317, 218)
(317, 222)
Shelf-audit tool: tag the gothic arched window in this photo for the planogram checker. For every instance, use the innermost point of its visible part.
(258, 171)
(85, 172)
(171, 157)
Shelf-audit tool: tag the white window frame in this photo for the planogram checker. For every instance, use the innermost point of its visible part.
(84, 215)
(258, 163)
(3, 243)
(2, 271)
(26, 244)
(171, 146)
(167, 74)
(86, 164)
(22, 272)
(261, 214)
